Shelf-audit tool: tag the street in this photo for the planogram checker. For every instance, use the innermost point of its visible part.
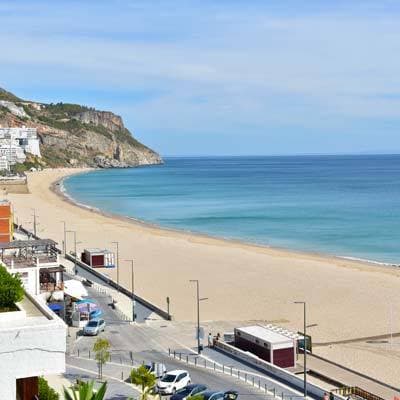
(135, 344)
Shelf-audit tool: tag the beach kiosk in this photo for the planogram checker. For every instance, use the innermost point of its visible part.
(268, 344)
(98, 258)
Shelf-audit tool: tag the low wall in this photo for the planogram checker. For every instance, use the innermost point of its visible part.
(14, 186)
(163, 314)
(281, 374)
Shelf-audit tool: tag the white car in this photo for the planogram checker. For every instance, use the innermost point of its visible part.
(94, 327)
(173, 381)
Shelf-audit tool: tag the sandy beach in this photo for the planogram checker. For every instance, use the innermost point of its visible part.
(346, 299)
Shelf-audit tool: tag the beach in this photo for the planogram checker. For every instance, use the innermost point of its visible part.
(346, 299)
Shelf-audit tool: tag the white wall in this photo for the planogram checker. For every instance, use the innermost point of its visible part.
(31, 346)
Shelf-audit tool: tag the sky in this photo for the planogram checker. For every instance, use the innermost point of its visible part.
(209, 77)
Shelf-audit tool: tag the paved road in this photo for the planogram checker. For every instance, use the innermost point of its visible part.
(116, 390)
(147, 344)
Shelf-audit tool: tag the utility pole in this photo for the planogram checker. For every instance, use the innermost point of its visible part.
(117, 263)
(304, 345)
(65, 238)
(133, 291)
(196, 281)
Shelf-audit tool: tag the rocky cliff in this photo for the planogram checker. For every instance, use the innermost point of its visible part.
(75, 135)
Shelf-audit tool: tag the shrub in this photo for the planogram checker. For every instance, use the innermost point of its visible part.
(11, 290)
(45, 391)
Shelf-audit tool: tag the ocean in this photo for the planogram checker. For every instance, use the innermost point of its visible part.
(347, 206)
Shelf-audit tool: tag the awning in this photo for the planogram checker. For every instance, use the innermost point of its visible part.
(75, 289)
(55, 306)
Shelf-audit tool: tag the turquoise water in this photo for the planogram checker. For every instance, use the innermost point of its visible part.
(341, 205)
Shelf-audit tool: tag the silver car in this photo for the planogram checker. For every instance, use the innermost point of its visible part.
(94, 327)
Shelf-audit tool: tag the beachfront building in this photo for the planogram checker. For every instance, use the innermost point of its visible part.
(38, 264)
(33, 344)
(16, 142)
(270, 343)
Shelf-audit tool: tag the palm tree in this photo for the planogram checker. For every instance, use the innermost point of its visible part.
(85, 391)
(143, 378)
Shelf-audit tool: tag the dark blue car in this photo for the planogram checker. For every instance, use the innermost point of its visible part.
(215, 395)
(189, 390)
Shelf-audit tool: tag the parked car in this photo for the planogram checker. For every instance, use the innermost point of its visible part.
(215, 395)
(173, 381)
(157, 369)
(189, 390)
(94, 327)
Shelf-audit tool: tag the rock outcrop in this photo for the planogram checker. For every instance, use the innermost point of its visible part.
(74, 135)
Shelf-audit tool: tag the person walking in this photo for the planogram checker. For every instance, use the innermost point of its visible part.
(210, 340)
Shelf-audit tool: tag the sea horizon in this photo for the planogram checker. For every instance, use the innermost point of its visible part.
(284, 223)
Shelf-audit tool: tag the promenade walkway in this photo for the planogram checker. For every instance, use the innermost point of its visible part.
(349, 378)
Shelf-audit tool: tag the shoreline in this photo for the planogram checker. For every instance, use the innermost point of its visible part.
(244, 282)
(59, 189)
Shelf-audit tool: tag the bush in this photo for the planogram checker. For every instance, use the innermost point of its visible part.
(11, 290)
(45, 391)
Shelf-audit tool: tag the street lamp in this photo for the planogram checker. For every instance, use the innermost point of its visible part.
(76, 255)
(304, 345)
(196, 281)
(34, 221)
(133, 290)
(117, 263)
(65, 238)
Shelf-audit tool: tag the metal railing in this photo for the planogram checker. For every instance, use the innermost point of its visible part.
(356, 391)
(263, 384)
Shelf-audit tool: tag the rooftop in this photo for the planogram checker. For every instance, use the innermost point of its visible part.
(265, 334)
(97, 250)
(21, 244)
(32, 313)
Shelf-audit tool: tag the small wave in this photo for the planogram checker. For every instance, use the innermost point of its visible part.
(72, 200)
(365, 260)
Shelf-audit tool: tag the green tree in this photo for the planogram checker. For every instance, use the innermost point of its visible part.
(143, 378)
(45, 391)
(102, 353)
(85, 391)
(11, 290)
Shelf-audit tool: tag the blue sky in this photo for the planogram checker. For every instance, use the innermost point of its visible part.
(217, 77)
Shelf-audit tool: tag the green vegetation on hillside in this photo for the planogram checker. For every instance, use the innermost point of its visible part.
(4, 95)
(66, 109)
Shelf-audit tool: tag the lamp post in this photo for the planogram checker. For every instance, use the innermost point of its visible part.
(117, 264)
(34, 221)
(65, 238)
(304, 345)
(196, 281)
(133, 290)
(76, 255)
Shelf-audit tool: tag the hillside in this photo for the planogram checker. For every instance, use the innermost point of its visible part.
(75, 135)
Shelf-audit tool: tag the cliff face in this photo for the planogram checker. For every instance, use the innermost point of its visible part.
(74, 135)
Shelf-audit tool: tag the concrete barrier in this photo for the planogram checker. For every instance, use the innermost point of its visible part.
(283, 375)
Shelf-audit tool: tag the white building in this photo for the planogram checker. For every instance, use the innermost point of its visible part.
(38, 264)
(16, 142)
(33, 344)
